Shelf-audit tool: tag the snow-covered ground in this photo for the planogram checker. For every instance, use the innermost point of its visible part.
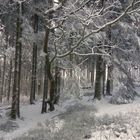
(31, 115)
(104, 107)
(76, 120)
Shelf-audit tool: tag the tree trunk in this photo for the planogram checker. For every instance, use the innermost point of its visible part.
(45, 92)
(19, 79)
(57, 85)
(110, 67)
(16, 85)
(48, 74)
(9, 81)
(3, 78)
(34, 63)
(98, 89)
(104, 75)
(109, 86)
(52, 91)
(92, 75)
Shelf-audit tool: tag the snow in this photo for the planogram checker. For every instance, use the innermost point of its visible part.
(32, 117)
(104, 107)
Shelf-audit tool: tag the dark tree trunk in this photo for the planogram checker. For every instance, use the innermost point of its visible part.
(9, 81)
(48, 74)
(34, 63)
(19, 79)
(57, 85)
(99, 70)
(110, 67)
(98, 90)
(88, 71)
(92, 74)
(52, 91)
(45, 92)
(109, 86)
(17, 68)
(104, 74)
(50, 98)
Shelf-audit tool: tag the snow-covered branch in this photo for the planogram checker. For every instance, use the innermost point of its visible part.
(99, 29)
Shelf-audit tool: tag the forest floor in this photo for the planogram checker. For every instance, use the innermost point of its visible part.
(75, 119)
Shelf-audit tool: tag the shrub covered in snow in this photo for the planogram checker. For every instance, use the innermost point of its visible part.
(124, 89)
(122, 126)
(8, 126)
(122, 96)
(125, 94)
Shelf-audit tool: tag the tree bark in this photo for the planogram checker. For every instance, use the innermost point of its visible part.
(57, 85)
(15, 110)
(3, 78)
(45, 92)
(48, 73)
(98, 90)
(109, 86)
(104, 75)
(9, 81)
(110, 66)
(34, 62)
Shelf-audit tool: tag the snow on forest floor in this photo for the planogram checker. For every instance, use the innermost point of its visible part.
(31, 115)
(78, 120)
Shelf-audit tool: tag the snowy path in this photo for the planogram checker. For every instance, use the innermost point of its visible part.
(104, 107)
(32, 116)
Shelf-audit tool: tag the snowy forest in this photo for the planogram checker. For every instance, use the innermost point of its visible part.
(69, 69)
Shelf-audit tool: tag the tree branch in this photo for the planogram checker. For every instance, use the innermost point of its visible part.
(99, 29)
